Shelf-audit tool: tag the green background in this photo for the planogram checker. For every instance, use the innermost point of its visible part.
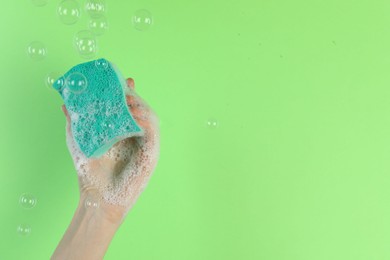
(297, 169)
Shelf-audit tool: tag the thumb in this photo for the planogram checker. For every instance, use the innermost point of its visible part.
(67, 117)
(65, 112)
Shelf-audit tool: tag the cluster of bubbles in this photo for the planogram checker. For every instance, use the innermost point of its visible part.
(84, 41)
(69, 12)
(85, 44)
(75, 82)
(26, 201)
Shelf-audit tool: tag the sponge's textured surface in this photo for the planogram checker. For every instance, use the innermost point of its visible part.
(99, 114)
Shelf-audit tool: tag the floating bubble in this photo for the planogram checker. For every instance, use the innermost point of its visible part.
(101, 64)
(142, 20)
(98, 25)
(68, 12)
(39, 2)
(23, 230)
(76, 82)
(91, 203)
(95, 8)
(55, 80)
(36, 50)
(212, 123)
(85, 43)
(27, 200)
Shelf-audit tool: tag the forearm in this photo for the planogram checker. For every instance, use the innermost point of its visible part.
(88, 235)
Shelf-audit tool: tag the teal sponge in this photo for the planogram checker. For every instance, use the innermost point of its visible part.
(94, 95)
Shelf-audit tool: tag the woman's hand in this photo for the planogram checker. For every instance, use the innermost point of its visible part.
(114, 181)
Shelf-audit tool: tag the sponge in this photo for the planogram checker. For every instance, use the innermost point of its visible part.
(94, 95)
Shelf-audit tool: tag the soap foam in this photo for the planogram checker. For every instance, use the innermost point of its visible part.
(132, 160)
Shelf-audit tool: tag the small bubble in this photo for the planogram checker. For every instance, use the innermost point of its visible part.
(85, 44)
(27, 200)
(101, 64)
(91, 203)
(76, 82)
(54, 80)
(69, 12)
(36, 50)
(39, 3)
(212, 123)
(142, 20)
(98, 25)
(95, 8)
(23, 230)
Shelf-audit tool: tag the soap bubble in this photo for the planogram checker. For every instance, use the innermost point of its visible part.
(98, 25)
(76, 82)
(39, 2)
(95, 8)
(101, 64)
(69, 12)
(54, 80)
(27, 200)
(212, 123)
(142, 20)
(85, 43)
(23, 230)
(91, 203)
(37, 50)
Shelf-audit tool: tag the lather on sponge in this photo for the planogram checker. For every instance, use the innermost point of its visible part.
(99, 113)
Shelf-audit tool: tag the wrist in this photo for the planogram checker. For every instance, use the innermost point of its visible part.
(92, 202)
(88, 235)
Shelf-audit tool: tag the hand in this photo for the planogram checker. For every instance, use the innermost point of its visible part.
(115, 180)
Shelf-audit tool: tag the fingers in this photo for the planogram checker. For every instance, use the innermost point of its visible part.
(130, 83)
(64, 110)
(144, 116)
(138, 108)
(67, 118)
(66, 113)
